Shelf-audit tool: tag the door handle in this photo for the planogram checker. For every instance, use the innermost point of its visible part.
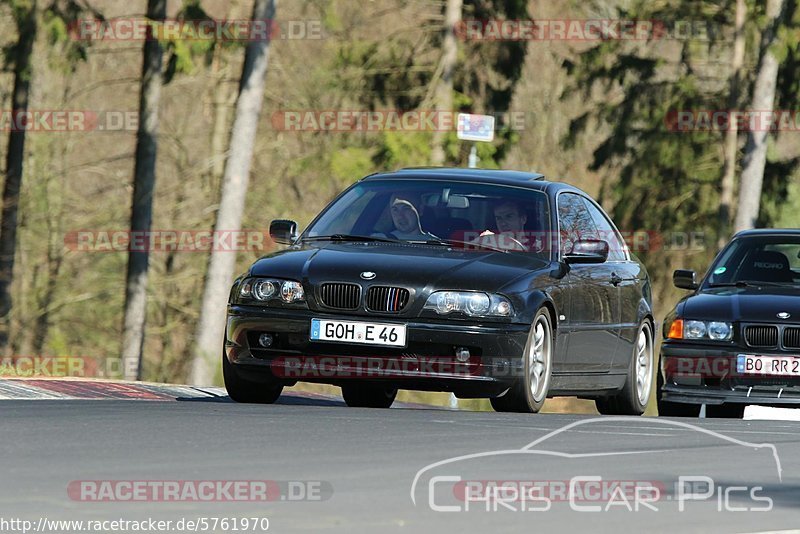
(615, 279)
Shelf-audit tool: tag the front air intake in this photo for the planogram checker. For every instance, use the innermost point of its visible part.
(387, 299)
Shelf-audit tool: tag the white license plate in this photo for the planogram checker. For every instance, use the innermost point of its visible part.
(393, 335)
(750, 364)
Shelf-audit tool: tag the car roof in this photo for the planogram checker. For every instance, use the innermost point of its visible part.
(761, 232)
(533, 180)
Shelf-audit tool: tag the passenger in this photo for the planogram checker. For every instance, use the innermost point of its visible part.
(405, 209)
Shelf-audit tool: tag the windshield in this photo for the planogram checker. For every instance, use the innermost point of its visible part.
(764, 260)
(479, 216)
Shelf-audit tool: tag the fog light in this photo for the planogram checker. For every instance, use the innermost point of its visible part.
(265, 340)
(462, 354)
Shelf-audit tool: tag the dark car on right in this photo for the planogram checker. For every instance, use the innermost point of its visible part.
(735, 340)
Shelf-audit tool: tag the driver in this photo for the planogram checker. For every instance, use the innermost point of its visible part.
(510, 219)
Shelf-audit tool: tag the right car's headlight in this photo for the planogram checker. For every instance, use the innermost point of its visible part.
(472, 303)
(266, 289)
(711, 330)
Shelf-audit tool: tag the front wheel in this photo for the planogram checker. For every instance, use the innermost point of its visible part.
(633, 398)
(368, 395)
(241, 390)
(529, 392)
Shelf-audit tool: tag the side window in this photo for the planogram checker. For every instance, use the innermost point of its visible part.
(616, 247)
(575, 221)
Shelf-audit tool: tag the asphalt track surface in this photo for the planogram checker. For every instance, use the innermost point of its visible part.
(362, 466)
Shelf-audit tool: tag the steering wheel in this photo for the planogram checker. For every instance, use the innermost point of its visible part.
(502, 241)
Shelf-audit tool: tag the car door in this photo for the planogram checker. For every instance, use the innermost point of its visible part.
(592, 317)
(626, 279)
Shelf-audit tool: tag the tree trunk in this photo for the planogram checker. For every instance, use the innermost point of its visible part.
(731, 136)
(211, 326)
(15, 158)
(444, 88)
(142, 205)
(755, 151)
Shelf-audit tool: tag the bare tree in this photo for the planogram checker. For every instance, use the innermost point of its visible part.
(144, 181)
(25, 18)
(446, 70)
(731, 136)
(211, 326)
(755, 151)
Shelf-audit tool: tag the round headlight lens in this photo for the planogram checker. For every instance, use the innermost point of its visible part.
(694, 329)
(292, 291)
(446, 302)
(719, 330)
(263, 290)
(477, 304)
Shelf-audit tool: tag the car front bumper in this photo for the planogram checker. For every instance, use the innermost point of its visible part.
(707, 374)
(427, 362)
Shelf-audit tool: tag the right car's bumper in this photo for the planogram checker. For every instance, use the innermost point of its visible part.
(707, 374)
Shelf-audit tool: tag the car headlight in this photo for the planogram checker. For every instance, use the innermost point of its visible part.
(720, 331)
(694, 330)
(266, 289)
(472, 303)
(713, 330)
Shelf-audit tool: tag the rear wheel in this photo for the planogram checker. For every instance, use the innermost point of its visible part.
(635, 394)
(530, 391)
(725, 411)
(266, 391)
(368, 395)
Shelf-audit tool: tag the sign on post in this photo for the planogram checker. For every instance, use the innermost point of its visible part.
(475, 127)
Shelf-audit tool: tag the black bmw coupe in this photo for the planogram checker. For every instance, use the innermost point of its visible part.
(736, 339)
(483, 283)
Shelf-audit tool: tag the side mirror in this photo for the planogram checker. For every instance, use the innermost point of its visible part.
(588, 251)
(283, 231)
(685, 279)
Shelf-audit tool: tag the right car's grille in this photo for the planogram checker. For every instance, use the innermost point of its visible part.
(340, 295)
(387, 299)
(791, 338)
(761, 336)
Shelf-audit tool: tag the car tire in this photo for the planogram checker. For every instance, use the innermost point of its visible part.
(368, 396)
(247, 391)
(725, 411)
(632, 399)
(673, 409)
(529, 392)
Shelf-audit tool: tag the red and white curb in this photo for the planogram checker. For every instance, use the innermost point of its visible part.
(100, 389)
(71, 388)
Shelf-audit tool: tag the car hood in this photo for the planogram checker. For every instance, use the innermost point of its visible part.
(748, 304)
(418, 266)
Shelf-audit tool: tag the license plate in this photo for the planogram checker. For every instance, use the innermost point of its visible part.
(393, 335)
(750, 364)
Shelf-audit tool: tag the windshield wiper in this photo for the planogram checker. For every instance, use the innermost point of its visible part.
(741, 283)
(455, 242)
(752, 283)
(350, 237)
